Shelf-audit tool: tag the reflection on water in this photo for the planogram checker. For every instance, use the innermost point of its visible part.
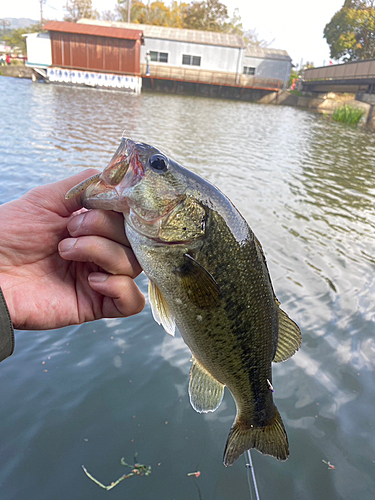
(116, 387)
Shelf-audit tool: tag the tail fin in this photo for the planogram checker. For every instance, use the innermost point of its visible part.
(270, 440)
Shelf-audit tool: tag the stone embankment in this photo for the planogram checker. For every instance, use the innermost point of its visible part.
(325, 103)
(17, 71)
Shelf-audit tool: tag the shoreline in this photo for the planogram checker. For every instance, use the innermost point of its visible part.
(320, 103)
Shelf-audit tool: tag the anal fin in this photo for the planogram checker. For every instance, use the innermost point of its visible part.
(160, 309)
(289, 339)
(205, 392)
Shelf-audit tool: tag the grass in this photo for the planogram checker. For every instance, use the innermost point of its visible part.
(347, 114)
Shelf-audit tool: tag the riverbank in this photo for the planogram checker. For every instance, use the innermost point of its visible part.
(323, 103)
(16, 71)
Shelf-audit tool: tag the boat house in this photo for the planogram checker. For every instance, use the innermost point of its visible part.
(113, 54)
(207, 57)
(87, 55)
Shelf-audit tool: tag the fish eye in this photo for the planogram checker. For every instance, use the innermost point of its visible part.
(158, 163)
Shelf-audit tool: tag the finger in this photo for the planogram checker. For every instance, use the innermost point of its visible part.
(107, 254)
(100, 223)
(122, 296)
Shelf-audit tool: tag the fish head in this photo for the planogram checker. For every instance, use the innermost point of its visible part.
(151, 190)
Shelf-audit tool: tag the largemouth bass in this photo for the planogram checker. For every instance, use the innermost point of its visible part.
(208, 276)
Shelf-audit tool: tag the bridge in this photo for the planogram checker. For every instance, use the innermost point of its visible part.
(354, 77)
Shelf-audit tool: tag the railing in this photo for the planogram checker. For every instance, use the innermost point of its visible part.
(192, 75)
(347, 71)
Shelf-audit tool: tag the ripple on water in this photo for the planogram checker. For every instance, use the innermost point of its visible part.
(94, 393)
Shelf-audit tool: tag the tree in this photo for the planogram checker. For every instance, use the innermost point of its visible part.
(351, 32)
(156, 13)
(208, 15)
(77, 9)
(18, 42)
(252, 38)
(234, 25)
(108, 15)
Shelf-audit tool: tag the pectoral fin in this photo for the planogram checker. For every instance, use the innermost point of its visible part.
(289, 340)
(205, 392)
(160, 309)
(198, 283)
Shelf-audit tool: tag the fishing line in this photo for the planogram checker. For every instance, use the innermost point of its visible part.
(250, 466)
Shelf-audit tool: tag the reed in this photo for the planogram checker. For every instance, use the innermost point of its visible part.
(347, 114)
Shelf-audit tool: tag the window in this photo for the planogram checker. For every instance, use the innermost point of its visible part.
(191, 60)
(248, 70)
(159, 56)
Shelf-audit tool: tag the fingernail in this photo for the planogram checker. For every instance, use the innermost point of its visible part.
(98, 277)
(67, 244)
(75, 222)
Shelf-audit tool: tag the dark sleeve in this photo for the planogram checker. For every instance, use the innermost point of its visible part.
(6, 330)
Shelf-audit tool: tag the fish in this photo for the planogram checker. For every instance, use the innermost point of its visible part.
(208, 277)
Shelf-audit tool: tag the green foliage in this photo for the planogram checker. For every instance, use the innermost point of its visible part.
(156, 13)
(347, 114)
(210, 15)
(15, 39)
(76, 9)
(351, 32)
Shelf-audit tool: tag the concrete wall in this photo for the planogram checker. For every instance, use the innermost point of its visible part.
(269, 68)
(213, 57)
(38, 49)
(16, 71)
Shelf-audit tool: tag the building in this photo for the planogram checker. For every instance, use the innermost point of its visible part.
(104, 53)
(208, 57)
(87, 55)
(267, 63)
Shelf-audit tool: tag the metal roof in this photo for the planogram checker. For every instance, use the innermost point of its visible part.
(176, 34)
(90, 29)
(266, 53)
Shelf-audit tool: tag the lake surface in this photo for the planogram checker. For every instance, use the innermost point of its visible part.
(114, 388)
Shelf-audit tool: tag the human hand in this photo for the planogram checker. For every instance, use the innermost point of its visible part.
(59, 268)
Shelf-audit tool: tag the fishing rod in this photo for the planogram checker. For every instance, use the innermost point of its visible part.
(250, 467)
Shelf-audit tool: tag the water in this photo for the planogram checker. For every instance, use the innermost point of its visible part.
(116, 387)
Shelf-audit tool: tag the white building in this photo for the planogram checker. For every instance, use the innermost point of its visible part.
(183, 49)
(267, 63)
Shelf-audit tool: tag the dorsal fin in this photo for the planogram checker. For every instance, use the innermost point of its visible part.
(289, 339)
(205, 392)
(160, 309)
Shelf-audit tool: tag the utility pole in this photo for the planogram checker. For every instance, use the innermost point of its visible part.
(129, 9)
(41, 10)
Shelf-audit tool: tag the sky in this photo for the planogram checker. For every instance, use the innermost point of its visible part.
(293, 25)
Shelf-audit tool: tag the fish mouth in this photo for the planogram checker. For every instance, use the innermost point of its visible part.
(123, 171)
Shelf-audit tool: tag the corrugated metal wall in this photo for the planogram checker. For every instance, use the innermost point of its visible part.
(98, 53)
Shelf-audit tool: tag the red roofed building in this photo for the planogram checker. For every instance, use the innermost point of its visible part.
(87, 54)
(99, 48)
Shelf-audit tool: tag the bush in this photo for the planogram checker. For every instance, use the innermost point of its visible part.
(347, 114)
